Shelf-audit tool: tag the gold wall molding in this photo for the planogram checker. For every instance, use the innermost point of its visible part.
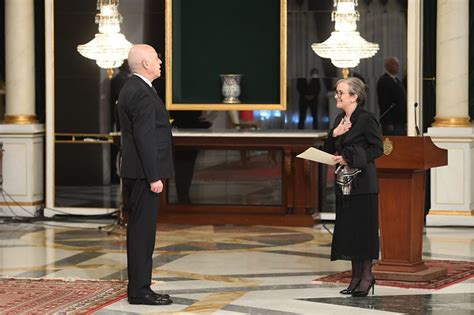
(21, 203)
(452, 122)
(452, 213)
(20, 119)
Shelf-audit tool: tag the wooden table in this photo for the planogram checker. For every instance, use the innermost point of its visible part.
(299, 179)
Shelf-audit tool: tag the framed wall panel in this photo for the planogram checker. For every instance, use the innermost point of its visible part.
(207, 38)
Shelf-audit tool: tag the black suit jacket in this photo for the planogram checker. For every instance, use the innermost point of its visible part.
(146, 132)
(360, 146)
(310, 88)
(390, 92)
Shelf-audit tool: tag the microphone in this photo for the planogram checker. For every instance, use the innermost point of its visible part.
(418, 133)
(387, 110)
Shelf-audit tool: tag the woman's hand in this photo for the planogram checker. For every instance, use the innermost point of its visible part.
(342, 128)
(339, 159)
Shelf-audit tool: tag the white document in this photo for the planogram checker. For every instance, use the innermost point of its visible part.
(316, 155)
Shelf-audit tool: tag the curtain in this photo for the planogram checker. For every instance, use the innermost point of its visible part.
(383, 22)
(302, 31)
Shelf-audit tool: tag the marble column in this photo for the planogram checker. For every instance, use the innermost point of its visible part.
(452, 188)
(452, 64)
(19, 62)
(21, 137)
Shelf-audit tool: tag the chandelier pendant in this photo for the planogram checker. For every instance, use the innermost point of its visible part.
(345, 47)
(109, 48)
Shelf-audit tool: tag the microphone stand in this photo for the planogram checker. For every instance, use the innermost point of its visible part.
(418, 133)
(387, 110)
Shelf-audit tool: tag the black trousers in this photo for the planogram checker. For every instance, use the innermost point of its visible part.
(313, 107)
(142, 209)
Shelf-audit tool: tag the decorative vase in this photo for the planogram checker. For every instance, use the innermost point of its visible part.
(231, 88)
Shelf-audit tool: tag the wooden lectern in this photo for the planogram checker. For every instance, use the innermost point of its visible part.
(402, 171)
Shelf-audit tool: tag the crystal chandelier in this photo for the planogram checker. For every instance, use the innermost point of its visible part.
(109, 48)
(345, 47)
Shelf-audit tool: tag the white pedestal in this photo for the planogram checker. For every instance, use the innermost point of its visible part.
(23, 189)
(452, 188)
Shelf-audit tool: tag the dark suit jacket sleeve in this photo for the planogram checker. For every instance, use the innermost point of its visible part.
(301, 86)
(359, 155)
(373, 135)
(145, 137)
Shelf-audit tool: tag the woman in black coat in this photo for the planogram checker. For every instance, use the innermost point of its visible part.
(356, 141)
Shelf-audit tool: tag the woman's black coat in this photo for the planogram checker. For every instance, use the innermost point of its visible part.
(360, 146)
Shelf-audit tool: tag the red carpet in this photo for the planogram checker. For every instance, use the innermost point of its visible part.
(457, 271)
(45, 296)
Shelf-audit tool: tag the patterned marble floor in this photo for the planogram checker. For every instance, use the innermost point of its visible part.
(229, 269)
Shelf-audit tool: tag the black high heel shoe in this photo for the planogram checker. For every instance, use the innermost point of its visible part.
(348, 290)
(364, 293)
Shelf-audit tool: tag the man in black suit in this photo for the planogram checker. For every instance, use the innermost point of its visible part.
(147, 160)
(392, 100)
(309, 92)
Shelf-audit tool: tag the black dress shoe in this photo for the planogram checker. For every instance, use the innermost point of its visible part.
(161, 296)
(149, 299)
(158, 295)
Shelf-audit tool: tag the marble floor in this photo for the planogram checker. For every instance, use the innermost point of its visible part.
(228, 269)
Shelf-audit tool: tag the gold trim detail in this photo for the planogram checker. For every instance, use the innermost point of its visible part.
(222, 106)
(345, 73)
(53, 102)
(110, 73)
(452, 122)
(283, 55)
(453, 213)
(21, 203)
(85, 138)
(20, 119)
(387, 146)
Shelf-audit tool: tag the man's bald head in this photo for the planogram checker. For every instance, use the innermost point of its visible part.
(144, 60)
(392, 65)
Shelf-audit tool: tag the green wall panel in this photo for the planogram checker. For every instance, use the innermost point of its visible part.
(213, 37)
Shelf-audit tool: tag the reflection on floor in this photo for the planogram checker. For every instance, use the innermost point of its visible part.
(229, 269)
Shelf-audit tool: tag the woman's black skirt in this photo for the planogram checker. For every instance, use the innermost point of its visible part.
(356, 230)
